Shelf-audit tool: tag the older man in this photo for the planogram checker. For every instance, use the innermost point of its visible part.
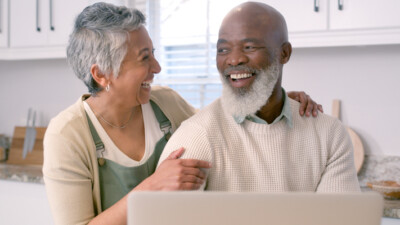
(253, 135)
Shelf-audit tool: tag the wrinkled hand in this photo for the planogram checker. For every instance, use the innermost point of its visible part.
(307, 105)
(176, 174)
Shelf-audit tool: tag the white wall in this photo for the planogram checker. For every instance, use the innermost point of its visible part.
(48, 86)
(364, 78)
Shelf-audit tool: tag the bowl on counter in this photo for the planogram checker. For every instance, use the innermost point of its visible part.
(388, 188)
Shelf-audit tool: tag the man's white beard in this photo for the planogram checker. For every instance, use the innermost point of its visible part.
(240, 102)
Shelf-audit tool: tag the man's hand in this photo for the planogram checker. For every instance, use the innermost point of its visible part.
(307, 105)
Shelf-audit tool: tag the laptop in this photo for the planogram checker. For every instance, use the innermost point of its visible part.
(225, 208)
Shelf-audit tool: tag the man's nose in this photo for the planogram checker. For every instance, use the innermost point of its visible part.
(237, 57)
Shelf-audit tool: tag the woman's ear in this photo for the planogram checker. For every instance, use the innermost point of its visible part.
(286, 52)
(98, 76)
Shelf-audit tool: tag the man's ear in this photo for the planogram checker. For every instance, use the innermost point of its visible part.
(286, 52)
(98, 76)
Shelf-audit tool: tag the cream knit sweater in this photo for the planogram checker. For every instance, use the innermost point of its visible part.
(315, 155)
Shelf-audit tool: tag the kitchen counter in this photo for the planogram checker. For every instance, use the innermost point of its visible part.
(379, 168)
(391, 207)
(33, 174)
(22, 173)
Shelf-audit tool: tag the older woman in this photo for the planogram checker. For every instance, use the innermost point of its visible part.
(108, 143)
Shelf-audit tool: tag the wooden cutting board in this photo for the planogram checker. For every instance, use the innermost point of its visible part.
(32, 158)
(355, 139)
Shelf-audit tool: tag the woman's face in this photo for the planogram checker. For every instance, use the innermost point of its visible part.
(132, 86)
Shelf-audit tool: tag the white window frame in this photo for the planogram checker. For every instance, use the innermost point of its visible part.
(205, 82)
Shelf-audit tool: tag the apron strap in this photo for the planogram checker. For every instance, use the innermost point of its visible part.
(165, 124)
(97, 141)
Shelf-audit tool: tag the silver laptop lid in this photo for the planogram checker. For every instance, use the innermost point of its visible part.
(222, 208)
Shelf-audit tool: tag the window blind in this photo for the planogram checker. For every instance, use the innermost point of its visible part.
(184, 33)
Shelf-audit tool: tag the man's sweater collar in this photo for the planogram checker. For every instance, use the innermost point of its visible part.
(286, 113)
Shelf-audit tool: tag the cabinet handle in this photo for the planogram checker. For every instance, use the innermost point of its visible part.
(340, 4)
(51, 15)
(37, 16)
(316, 5)
(1, 21)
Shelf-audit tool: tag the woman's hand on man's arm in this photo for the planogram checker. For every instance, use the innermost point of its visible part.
(176, 174)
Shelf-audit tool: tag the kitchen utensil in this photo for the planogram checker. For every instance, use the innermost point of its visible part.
(33, 133)
(26, 142)
(355, 139)
(30, 133)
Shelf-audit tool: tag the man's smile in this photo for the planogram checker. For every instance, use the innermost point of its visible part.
(241, 80)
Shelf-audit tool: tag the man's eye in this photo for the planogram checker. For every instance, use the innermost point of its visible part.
(145, 57)
(249, 47)
(222, 50)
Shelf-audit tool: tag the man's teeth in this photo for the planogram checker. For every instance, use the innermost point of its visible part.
(240, 76)
(147, 84)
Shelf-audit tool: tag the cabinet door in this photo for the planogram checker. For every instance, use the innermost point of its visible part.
(302, 15)
(27, 23)
(3, 23)
(364, 14)
(62, 16)
(38, 23)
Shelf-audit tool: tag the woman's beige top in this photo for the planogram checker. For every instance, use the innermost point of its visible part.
(70, 166)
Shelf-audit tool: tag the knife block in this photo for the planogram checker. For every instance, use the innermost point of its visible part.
(35, 157)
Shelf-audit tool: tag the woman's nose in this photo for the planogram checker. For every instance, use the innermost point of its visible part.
(156, 68)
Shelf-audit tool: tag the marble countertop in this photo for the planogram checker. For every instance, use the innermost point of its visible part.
(22, 173)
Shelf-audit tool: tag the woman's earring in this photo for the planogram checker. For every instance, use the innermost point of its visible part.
(108, 87)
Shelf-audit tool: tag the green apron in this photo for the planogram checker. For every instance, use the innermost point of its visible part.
(116, 180)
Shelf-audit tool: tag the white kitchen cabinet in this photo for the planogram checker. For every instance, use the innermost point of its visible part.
(39, 29)
(35, 23)
(302, 15)
(320, 15)
(24, 203)
(63, 17)
(390, 221)
(323, 23)
(364, 14)
(3, 23)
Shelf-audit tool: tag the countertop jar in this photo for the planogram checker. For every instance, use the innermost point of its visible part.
(4, 147)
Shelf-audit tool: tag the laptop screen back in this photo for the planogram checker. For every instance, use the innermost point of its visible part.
(221, 208)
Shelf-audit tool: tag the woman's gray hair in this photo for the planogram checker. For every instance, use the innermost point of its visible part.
(100, 37)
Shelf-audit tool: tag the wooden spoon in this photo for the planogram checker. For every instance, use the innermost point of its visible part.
(355, 139)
